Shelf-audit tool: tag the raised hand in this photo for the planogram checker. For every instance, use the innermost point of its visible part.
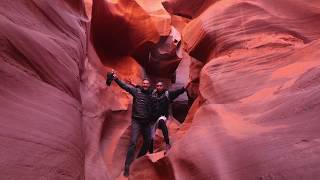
(114, 73)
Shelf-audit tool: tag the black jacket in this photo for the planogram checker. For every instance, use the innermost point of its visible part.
(141, 107)
(162, 100)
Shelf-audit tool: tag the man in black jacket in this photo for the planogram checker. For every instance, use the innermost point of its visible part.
(161, 99)
(141, 116)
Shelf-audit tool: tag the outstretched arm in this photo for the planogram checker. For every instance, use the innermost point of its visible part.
(174, 94)
(124, 86)
(129, 81)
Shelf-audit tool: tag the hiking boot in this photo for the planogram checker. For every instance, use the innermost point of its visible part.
(168, 146)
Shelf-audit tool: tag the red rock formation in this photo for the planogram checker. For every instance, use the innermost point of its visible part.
(124, 21)
(160, 17)
(211, 34)
(42, 48)
(187, 9)
(119, 30)
(259, 90)
(88, 7)
(106, 116)
(254, 69)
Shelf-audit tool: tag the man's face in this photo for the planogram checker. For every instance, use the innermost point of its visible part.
(145, 84)
(159, 86)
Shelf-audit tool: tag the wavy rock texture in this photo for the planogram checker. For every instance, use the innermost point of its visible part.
(42, 48)
(254, 69)
(256, 117)
(211, 34)
(186, 9)
(121, 35)
(125, 19)
(160, 17)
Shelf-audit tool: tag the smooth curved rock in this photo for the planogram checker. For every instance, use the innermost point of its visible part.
(160, 17)
(255, 85)
(256, 116)
(187, 9)
(42, 48)
(229, 25)
(107, 109)
(116, 28)
(106, 115)
(165, 56)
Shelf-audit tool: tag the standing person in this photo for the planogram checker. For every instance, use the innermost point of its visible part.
(161, 99)
(141, 116)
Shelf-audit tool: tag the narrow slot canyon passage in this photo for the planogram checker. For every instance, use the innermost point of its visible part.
(160, 57)
(251, 110)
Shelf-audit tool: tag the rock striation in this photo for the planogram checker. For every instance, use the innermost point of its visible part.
(254, 97)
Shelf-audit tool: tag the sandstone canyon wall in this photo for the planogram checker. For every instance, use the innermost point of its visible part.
(42, 50)
(254, 67)
(257, 113)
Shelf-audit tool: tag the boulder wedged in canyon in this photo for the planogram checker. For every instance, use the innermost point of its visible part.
(42, 48)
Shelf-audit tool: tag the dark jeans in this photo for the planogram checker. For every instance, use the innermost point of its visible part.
(162, 125)
(136, 129)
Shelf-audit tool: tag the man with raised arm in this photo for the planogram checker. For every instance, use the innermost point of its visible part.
(141, 117)
(161, 99)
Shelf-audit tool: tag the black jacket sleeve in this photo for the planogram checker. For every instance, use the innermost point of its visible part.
(174, 94)
(130, 89)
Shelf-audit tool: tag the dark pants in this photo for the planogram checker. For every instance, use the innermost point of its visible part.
(162, 125)
(136, 129)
